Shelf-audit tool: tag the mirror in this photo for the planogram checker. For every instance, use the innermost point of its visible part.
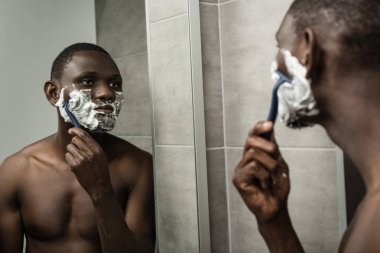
(34, 32)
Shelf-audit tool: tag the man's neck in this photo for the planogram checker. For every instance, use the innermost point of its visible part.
(353, 124)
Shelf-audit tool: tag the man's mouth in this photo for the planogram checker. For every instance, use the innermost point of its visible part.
(106, 109)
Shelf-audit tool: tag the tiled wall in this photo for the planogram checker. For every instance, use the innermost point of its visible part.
(175, 165)
(238, 47)
(121, 30)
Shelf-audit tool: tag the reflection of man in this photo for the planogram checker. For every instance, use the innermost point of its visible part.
(79, 190)
(331, 48)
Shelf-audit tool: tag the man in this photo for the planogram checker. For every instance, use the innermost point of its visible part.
(331, 51)
(81, 189)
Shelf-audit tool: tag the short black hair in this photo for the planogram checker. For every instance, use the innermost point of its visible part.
(356, 22)
(67, 54)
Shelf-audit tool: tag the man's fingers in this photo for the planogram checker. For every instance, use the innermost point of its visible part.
(261, 127)
(82, 146)
(81, 134)
(75, 152)
(268, 162)
(256, 142)
(251, 176)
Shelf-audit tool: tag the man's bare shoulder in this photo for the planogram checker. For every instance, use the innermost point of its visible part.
(14, 165)
(129, 158)
(122, 149)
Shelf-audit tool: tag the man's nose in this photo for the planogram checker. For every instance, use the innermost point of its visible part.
(104, 92)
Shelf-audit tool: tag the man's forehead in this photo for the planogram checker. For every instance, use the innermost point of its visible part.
(91, 61)
(286, 34)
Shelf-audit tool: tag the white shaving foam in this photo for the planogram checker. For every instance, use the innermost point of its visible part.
(82, 107)
(296, 100)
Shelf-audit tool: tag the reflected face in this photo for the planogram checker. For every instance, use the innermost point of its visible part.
(93, 83)
(296, 102)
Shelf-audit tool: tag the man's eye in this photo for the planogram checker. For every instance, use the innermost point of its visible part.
(115, 84)
(87, 82)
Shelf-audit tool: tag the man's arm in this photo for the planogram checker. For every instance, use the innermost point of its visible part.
(11, 229)
(89, 163)
(262, 179)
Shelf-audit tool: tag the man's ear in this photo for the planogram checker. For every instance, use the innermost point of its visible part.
(311, 55)
(52, 92)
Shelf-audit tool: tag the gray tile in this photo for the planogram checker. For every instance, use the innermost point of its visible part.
(176, 199)
(145, 143)
(163, 9)
(212, 79)
(121, 26)
(171, 78)
(135, 118)
(313, 202)
(216, 177)
(248, 48)
(315, 136)
(208, 1)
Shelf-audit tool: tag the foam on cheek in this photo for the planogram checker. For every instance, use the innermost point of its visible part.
(296, 100)
(84, 110)
(81, 106)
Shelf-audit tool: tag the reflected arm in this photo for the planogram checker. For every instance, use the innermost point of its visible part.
(280, 235)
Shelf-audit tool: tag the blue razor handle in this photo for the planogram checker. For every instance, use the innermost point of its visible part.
(71, 115)
(274, 104)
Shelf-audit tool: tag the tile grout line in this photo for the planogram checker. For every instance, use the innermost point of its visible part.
(294, 148)
(173, 146)
(131, 54)
(169, 18)
(224, 133)
(228, 2)
(214, 148)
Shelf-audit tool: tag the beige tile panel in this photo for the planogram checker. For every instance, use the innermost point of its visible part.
(212, 79)
(164, 9)
(171, 78)
(216, 176)
(121, 26)
(177, 199)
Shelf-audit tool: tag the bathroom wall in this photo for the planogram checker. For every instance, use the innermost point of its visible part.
(170, 63)
(32, 34)
(121, 30)
(238, 47)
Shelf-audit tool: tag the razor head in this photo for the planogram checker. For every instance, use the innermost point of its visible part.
(274, 104)
(73, 119)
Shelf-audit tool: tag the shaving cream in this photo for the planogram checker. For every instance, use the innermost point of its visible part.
(295, 99)
(82, 107)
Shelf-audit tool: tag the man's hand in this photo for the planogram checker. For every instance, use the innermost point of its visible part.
(88, 162)
(261, 177)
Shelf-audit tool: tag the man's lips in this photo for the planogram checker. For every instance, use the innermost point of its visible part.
(105, 109)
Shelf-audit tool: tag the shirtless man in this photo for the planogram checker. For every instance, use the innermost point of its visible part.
(336, 45)
(80, 189)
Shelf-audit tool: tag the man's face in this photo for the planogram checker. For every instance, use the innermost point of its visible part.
(93, 83)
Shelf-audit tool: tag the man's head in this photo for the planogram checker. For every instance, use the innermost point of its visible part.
(86, 79)
(354, 24)
(333, 41)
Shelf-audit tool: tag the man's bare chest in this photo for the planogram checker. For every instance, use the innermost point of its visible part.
(54, 205)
